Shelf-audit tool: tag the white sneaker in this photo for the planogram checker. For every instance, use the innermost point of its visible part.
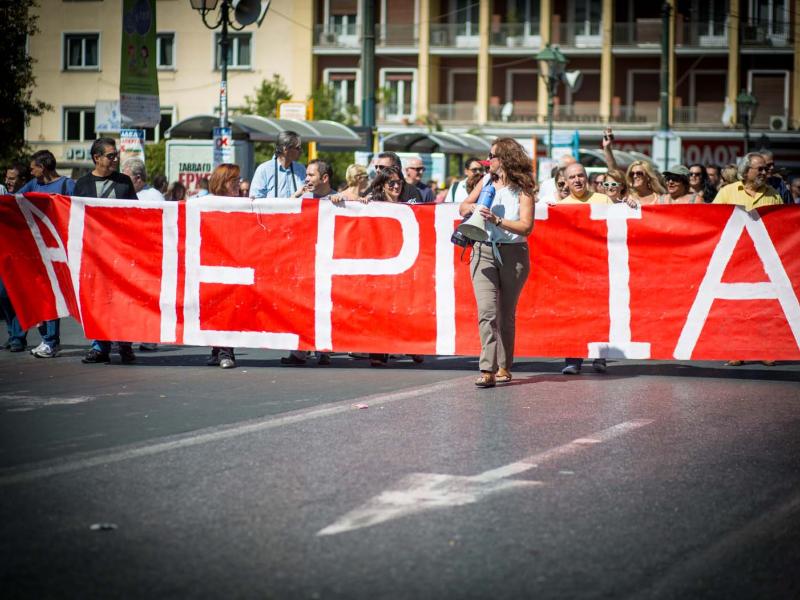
(571, 370)
(45, 351)
(38, 348)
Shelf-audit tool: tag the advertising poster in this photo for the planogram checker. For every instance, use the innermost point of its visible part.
(138, 82)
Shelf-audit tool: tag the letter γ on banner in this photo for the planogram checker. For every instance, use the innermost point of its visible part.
(326, 266)
(197, 274)
(779, 287)
(48, 254)
(619, 344)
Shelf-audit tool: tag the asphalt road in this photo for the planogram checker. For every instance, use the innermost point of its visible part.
(170, 479)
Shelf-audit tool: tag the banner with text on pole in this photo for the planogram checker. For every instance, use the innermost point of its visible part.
(138, 79)
(681, 281)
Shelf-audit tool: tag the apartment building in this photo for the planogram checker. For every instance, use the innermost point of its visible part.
(77, 52)
(467, 64)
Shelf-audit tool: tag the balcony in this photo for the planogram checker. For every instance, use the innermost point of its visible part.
(702, 35)
(397, 35)
(766, 35)
(705, 113)
(454, 35)
(577, 35)
(516, 35)
(344, 38)
(460, 111)
(642, 33)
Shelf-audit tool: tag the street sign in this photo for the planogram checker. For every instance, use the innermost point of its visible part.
(293, 109)
(223, 145)
(131, 144)
(666, 150)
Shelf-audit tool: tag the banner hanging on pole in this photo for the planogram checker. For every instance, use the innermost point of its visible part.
(138, 82)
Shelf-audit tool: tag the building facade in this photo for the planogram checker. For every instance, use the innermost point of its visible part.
(467, 64)
(77, 52)
(458, 65)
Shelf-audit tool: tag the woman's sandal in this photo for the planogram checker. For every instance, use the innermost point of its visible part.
(503, 376)
(486, 380)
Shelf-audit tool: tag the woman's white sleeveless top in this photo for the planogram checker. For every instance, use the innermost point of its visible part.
(505, 206)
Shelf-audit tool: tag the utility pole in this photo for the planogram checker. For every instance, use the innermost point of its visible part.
(666, 11)
(368, 64)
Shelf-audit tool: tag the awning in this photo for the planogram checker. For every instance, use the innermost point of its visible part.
(436, 141)
(260, 129)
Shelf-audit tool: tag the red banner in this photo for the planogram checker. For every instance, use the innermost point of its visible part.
(684, 281)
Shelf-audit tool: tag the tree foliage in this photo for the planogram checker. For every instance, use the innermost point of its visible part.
(17, 104)
(265, 100)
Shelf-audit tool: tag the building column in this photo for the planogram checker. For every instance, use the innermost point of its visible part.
(794, 120)
(484, 62)
(607, 62)
(546, 33)
(424, 60)
(733, 57)
(673, 63)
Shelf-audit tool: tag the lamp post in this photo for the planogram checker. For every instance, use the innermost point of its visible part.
(245, 12)
(745, 104)
(551, 64)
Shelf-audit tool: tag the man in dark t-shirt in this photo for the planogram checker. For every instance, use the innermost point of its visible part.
(105, 182)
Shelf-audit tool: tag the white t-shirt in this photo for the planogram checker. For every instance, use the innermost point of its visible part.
(149, 193)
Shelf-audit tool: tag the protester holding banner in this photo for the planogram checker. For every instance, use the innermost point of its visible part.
(500, 265)
(644, 183)
(281, 176)
(224, 181)
(751, 191)
(579, 193)
(46, 180)
(387, 186)
(678, 190)
(105, 182)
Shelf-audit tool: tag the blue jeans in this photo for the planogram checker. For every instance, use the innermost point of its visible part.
(105, 346)
(51, 332)
(15, 332)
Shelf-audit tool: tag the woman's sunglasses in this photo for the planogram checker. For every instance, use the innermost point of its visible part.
(394, 183)
(611, 184)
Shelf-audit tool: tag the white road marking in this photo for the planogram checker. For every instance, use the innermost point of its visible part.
(23, 401)
(33, 472)
(420, 492)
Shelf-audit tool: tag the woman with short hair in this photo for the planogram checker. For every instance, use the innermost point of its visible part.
(500, 265)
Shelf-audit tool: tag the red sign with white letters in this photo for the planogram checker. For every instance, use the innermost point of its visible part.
(682, 281)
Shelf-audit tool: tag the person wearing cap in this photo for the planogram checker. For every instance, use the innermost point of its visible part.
(751, 191)
(678, 190)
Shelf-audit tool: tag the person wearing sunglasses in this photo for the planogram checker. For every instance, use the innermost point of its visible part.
(616, 188)
(678, 190)
(500, 265)
(104, 181)
(644, 183)
(775, 180)
(597, 182)
(473, 173)
(752, 190)
(282, 175)
(561, 184)
(408, 193)
(699, 183)
(414, 172)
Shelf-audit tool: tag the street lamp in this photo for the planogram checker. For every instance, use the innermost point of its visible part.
(551, 64)
(245, 12)
(745, 105)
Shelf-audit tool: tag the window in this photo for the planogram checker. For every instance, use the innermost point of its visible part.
(588, 15)
(81, 51)
(155, 134)
(466, 15)
(78, 124)
(165, 50)
(344, 84)
(399, 88)
(239, 51)
(343, 17)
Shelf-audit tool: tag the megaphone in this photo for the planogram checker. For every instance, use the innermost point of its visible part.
(573, 79)
(474, 228)
(248, 12)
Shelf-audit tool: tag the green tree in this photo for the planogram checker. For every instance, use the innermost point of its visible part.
(155, 158)
(326, 108)
(17, 104)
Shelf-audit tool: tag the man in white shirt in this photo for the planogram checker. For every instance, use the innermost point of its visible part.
(135, 169)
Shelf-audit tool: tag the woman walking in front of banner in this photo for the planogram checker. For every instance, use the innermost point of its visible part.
(500, 265)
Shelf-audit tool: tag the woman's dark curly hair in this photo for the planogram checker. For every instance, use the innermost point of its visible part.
(375, 189)
(517, 165)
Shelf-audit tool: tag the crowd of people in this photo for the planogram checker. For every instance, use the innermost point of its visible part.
(499, 266)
